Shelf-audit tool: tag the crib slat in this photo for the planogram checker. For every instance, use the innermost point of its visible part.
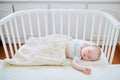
(53, 22)
(46, 24)
(4, 44)
(76, 36)
(99, 30)
(114, 44)
(69, 16)
(9, 41)
(84, 29)
(61, 23)
(30, 24)
(38, 23)
(108, 36)
(16, 28)
(110, 43)
(92, 29)
(104, 37)
(23, 27)
(13, 36)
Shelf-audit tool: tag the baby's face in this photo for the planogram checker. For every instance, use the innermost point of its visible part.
(89, 53)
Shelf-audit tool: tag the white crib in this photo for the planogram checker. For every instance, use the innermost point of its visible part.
(91, 25)
(94, 26)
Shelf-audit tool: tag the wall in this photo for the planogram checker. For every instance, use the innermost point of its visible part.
(111, 6)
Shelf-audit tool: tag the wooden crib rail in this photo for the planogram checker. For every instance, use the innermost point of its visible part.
(94, 26)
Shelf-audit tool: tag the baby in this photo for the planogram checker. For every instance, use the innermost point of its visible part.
(78, 50)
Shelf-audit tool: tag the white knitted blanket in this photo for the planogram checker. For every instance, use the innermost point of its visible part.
(48, 50)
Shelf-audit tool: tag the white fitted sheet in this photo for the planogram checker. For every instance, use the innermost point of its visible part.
(42, 51)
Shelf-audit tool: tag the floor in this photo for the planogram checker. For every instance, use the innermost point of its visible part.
(116, 59)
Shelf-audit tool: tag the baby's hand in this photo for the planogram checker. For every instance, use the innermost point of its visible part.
(87, 70)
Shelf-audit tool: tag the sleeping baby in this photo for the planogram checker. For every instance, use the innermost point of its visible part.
(78, 49)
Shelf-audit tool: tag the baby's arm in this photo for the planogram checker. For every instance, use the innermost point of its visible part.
(75, 65)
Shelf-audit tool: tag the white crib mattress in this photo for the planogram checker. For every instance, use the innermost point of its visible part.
(99, 72)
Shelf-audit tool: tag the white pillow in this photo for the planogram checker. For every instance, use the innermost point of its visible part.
(101, 61)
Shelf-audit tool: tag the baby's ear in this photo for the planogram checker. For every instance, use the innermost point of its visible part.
(86, 45)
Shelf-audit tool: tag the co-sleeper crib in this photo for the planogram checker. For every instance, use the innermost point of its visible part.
(91, 25)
